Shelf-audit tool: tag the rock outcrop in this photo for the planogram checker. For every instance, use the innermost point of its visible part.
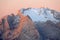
(18, 27)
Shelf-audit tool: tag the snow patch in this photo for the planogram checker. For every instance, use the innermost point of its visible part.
(40, 14)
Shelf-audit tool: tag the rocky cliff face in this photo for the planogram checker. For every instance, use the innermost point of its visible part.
(18, 27)
(29, 31)
(47, 22)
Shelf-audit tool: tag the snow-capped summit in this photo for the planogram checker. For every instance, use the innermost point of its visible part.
(41, 14)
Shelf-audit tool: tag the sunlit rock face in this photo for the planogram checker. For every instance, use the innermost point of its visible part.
(47, 22)
(29, 32)
(42, 14)
(15, 27)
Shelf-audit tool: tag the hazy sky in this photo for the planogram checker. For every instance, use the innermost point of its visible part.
(11, 6)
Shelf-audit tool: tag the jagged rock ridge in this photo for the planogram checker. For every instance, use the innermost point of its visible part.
(42, 14)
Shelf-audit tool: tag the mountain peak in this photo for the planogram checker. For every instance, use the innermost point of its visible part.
(41, 14)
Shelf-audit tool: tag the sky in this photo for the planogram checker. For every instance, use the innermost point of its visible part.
(11, 6)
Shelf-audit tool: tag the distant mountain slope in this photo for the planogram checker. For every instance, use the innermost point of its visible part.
(46, 21)
(42, 14)
(48, 30)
